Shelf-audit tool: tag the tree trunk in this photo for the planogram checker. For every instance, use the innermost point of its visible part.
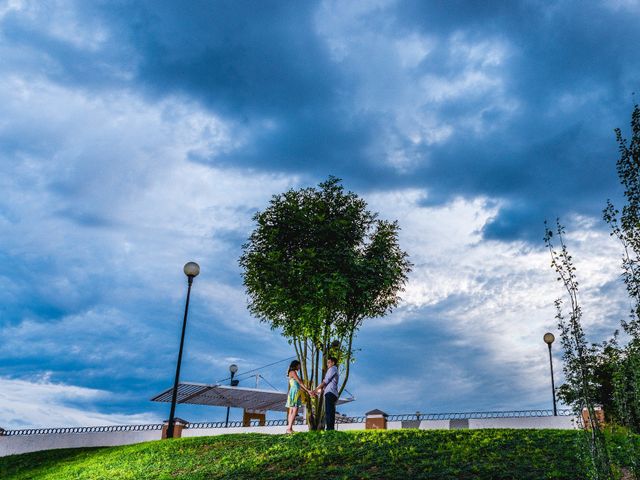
(347, 364)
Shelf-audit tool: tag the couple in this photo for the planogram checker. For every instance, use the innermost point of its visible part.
(329, 385)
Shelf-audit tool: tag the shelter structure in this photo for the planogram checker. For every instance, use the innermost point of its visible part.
(255, 402)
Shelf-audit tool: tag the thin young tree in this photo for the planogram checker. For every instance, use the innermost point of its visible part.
(579, 363)
(625, 226)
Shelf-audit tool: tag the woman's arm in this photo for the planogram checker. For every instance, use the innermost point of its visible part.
(297, 379)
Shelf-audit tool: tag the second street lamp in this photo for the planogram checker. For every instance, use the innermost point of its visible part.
(233, 368)
(191, 270)
(549, 339)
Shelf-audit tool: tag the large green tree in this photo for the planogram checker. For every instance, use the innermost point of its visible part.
(316, 266)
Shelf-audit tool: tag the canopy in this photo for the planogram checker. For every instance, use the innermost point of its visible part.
(227, 396)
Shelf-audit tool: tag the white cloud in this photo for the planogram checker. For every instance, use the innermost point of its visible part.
(397, 81)
(93, 337)
(472, 83)
(103, 206)
(59, 20)
(125, 163)
(162, 209)
(11, 6)
(41, 403)
(496, 297)
(124, 194)
(413, 49)
(632, 6)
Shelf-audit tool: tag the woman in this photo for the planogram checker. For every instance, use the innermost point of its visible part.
(293, 397)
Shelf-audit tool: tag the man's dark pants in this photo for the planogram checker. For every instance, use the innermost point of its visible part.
(330, 410)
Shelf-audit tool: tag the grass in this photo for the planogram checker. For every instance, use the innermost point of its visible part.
(404, 454)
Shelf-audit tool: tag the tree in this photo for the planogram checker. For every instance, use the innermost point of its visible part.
(607, 374)
(604, 360)
(625, 226)
(316, 266)
(579, 364)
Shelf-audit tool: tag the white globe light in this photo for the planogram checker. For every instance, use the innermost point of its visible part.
(233, 368)
(191, 269)
(549, 338)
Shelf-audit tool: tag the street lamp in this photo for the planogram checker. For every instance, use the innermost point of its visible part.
(233, 368)
(549, 339)
(191, 270)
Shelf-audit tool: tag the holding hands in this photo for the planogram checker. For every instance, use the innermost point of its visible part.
(315, 392)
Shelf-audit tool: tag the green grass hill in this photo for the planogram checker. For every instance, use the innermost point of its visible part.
(404, 454)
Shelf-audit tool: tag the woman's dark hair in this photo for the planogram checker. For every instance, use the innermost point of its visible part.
(333, 359)
(295, 365)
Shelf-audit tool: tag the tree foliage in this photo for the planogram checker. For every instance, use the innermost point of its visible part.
(625, 226)
(603, 360)
(316, 266)
(579, 365)
(607, 374)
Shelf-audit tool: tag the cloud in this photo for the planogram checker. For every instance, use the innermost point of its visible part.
(96, 291)
(28, 403)
(380, 93)
(136, 136)
(478, 309)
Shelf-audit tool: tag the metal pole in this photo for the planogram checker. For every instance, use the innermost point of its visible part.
(177, 380)
(553, 387)
(226, 423)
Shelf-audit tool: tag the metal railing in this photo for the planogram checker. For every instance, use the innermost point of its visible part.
(253, 423)
(478, 415)
(299, 421)
(61, 430)
(402, 417)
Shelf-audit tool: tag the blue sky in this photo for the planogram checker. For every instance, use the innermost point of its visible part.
(138, 135)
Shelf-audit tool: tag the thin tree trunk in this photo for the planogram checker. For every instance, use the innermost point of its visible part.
(316, 365)
(312, 414)
(306, 374)
(348, 364)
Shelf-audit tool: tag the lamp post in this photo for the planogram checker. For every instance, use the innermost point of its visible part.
(191, 270)
(233, 368)
(549, 339)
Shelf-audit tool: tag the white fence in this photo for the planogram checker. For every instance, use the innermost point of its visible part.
(15, 442)
(49, 441)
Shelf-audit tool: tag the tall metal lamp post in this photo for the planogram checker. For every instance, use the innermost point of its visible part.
(233, 368)
(191, 270)
(549, 339)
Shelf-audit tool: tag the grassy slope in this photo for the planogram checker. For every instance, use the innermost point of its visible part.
(407, 454)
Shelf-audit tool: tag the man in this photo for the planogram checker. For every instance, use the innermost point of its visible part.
(330, 387)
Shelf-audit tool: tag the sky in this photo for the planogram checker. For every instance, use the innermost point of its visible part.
(138, 135)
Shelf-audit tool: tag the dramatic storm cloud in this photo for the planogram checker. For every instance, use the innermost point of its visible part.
(138, 135)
